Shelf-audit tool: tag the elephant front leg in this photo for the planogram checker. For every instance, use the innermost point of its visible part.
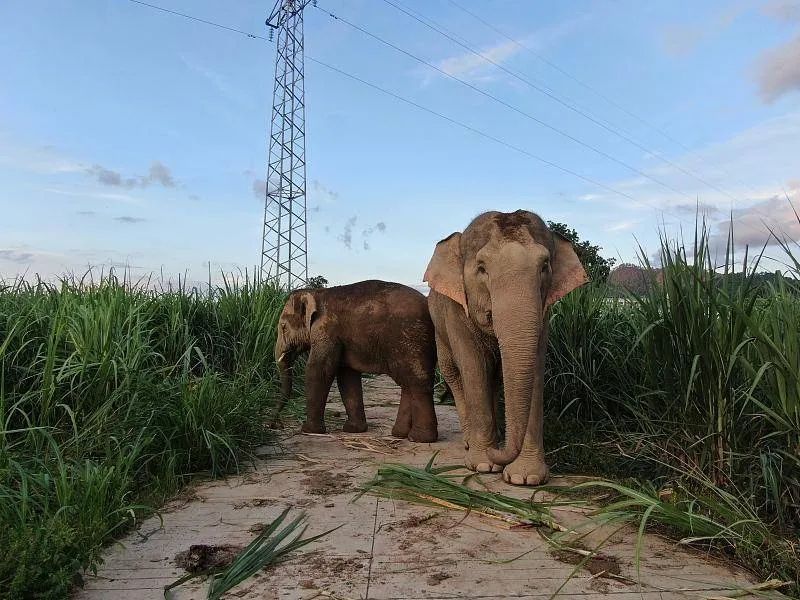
(320, 371)
(349, 382)
(482, 430)
(470, 380)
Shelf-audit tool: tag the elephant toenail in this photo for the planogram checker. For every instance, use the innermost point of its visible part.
(517, 479)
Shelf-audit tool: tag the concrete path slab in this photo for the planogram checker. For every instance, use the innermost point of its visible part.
(384, 550)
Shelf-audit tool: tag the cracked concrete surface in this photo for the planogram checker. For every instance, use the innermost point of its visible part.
(384, 549)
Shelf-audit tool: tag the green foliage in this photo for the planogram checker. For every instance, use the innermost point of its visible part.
(693, 385)
(596, 266)
(111, 395)
(316, 282)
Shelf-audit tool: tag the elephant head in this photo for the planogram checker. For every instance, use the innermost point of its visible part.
(505, 270)
(294, 337)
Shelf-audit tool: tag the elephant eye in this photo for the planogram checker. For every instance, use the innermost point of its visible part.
(545, 265)
(481, 269)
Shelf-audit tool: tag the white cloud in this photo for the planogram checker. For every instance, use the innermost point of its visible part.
(88, 194)
(472, 66)
(778, 70)
(758, 167)
(45, 160)
(784, 10)
(159, 173)
(220, 83)
(23, 259)
(26, 261)
(680, 39)
(622, 225)
(761, 224)
(260, 189)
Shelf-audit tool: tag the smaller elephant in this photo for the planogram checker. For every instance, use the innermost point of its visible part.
(366, 327)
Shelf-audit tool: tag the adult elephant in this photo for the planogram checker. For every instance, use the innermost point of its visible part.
(491, 287)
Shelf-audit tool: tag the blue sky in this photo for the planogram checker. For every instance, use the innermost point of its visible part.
(133, 137)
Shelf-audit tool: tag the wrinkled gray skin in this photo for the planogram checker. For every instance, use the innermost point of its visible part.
(365, 327)
(491, 287)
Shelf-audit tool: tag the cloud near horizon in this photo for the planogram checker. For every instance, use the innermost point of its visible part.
(16, 256)
(761, 224)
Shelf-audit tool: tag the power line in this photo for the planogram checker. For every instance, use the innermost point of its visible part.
(199, 20)
(435, 113)
(438, 29)
(507, 104)
(586, 86)
(479, 132)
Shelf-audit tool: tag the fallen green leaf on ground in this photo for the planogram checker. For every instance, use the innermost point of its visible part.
(692, 521)
(432, 486)
(268, 548)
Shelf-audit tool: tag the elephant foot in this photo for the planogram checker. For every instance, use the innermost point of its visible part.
(309, 427)
(354, 427)
(476, 460)
(401, 430)
(526, 471)
(422, 435)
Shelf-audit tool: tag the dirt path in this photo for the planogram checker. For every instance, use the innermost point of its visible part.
(385, 549)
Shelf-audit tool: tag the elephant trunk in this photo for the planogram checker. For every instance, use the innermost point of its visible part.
(284, 358)
(517, 322)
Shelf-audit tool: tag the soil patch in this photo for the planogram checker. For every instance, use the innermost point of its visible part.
(331, 567)
(599, 585)
(181, 499)
(254, 503)
(200, 558)
(408, 523)
(324, 483)
(600, 565)
(438, 578)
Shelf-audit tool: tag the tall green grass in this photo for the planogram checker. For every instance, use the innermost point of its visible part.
(111, 395)
(692, 388)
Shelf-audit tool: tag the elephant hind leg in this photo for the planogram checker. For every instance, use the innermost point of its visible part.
(349, 382)
(402, 423)
(417, 401)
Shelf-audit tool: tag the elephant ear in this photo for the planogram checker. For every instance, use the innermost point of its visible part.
(444, 273)
(308, 308)
(568, 272)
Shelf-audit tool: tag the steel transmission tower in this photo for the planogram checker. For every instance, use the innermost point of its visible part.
(284, 248)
